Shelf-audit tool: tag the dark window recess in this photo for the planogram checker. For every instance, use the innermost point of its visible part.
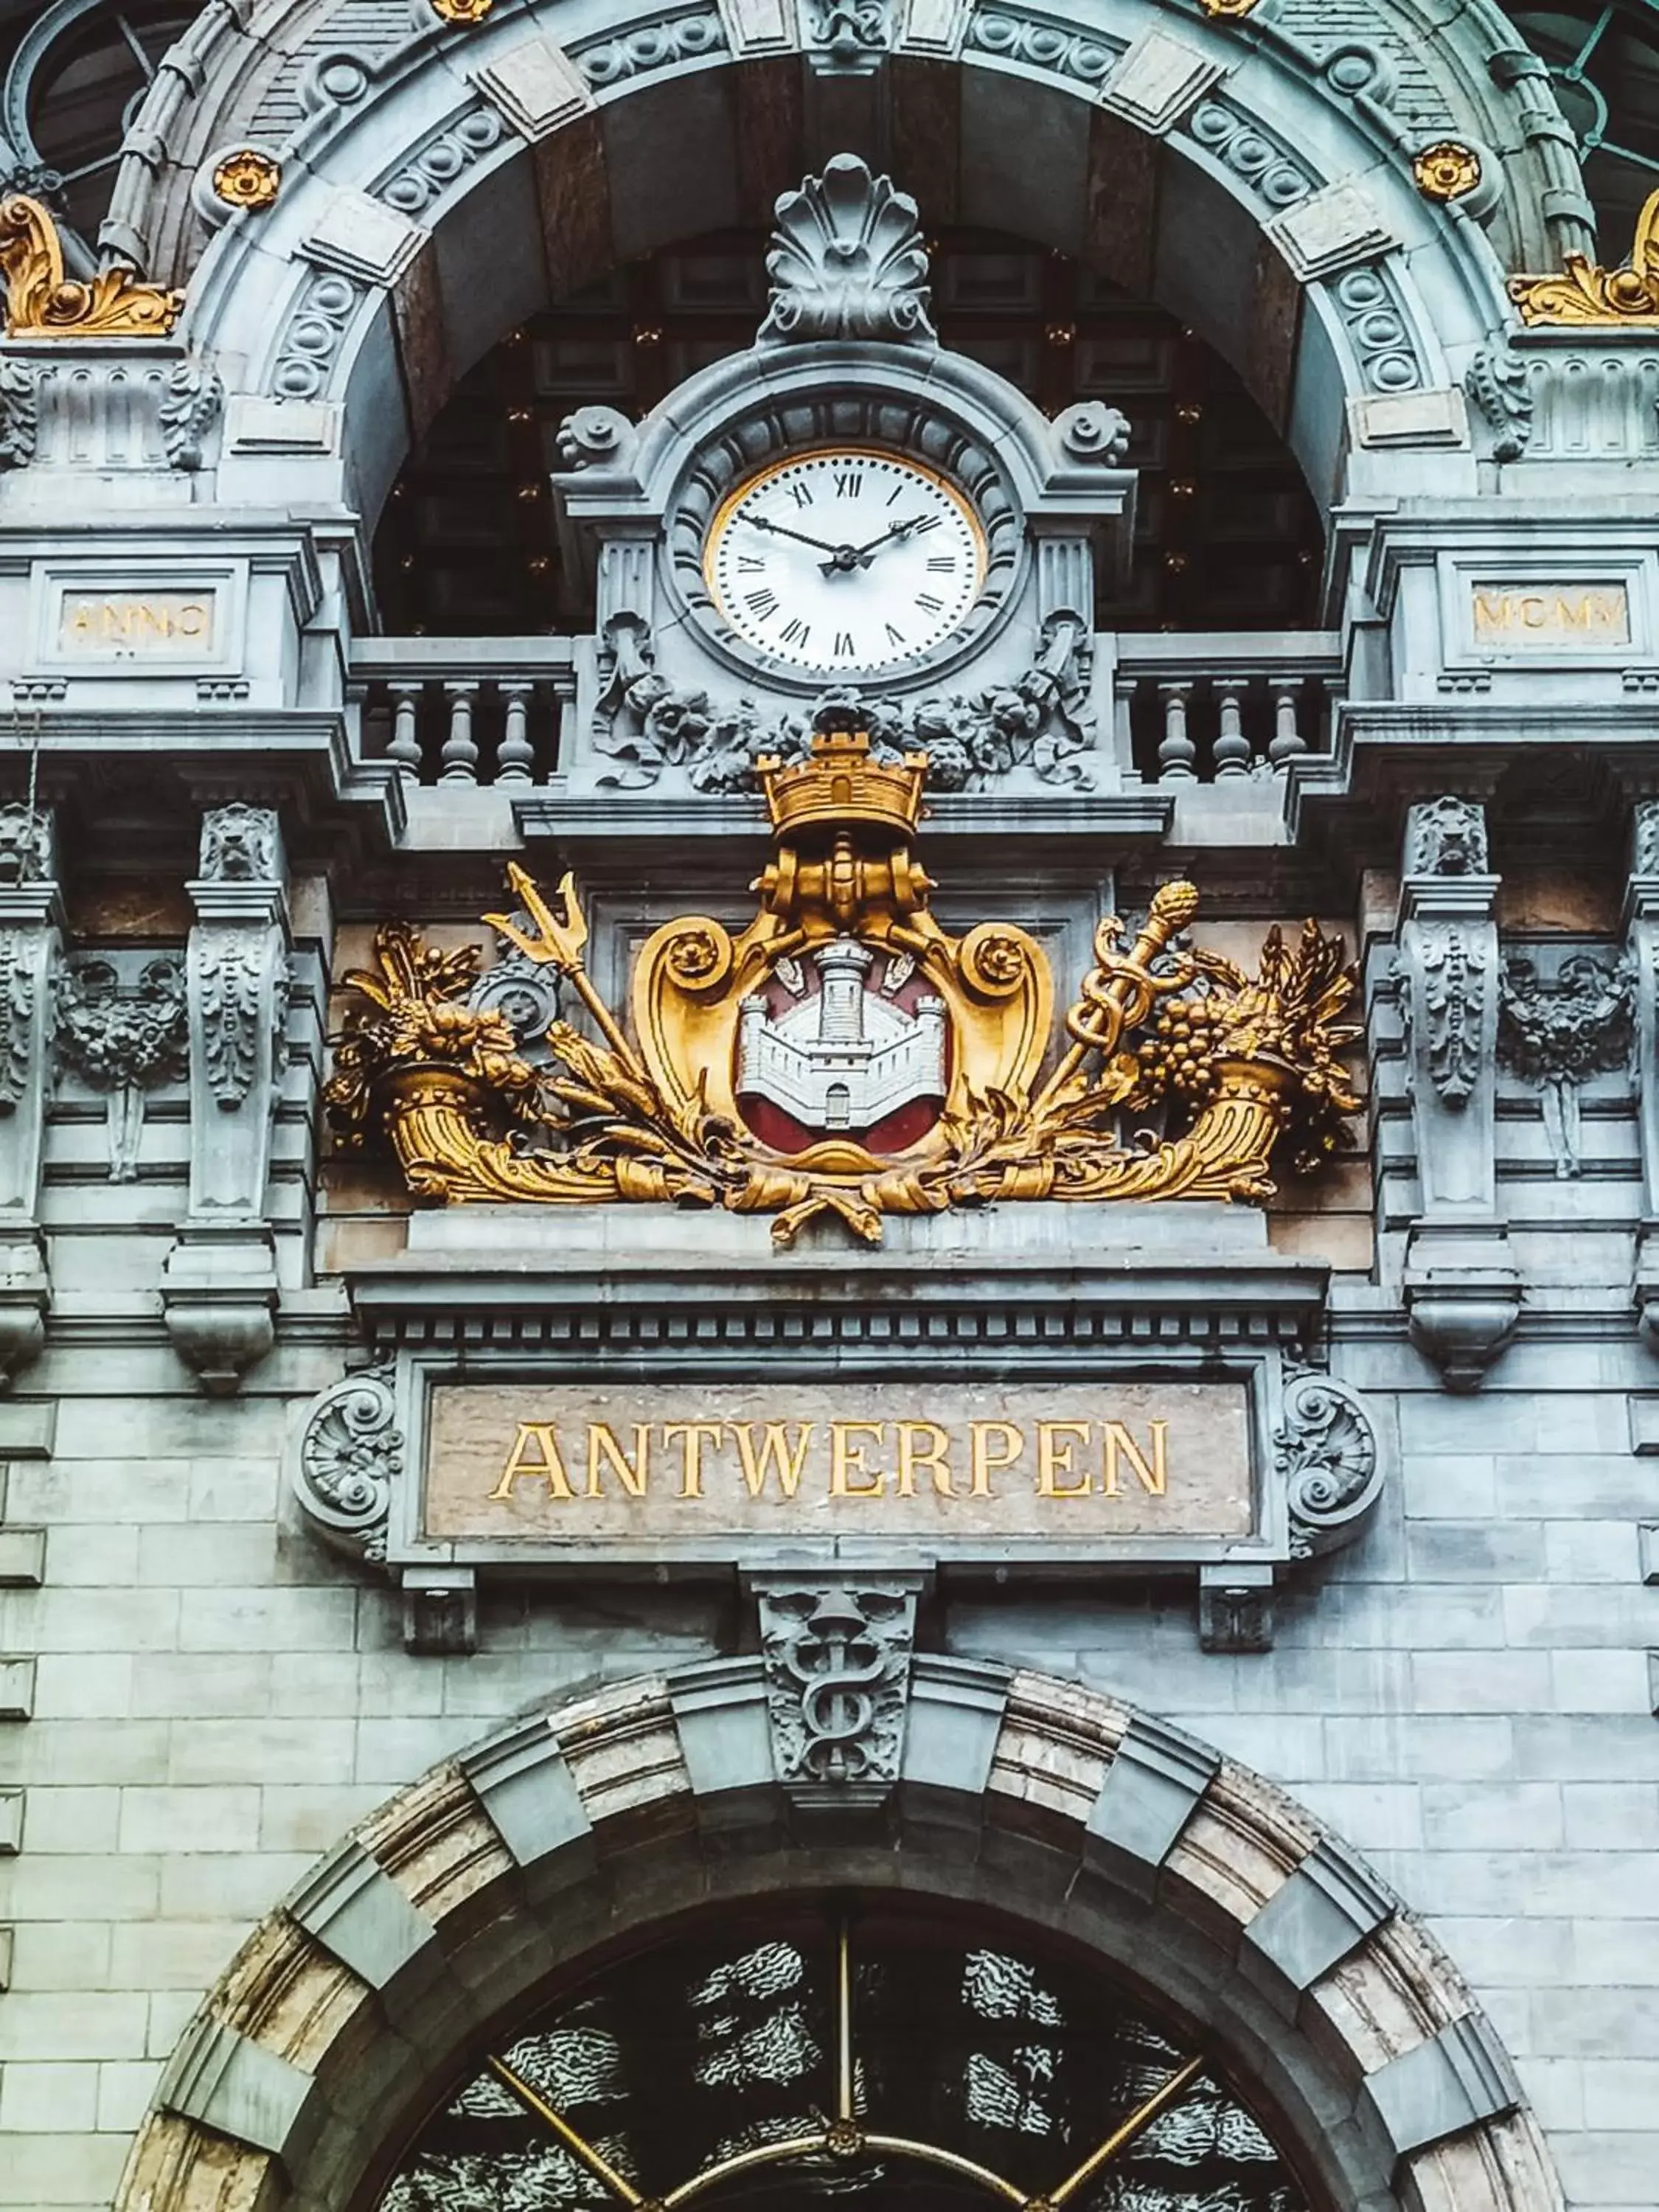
(1227, 537)
(720, 2062)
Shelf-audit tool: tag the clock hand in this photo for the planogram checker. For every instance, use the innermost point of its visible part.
(859, 556)
(779, 530)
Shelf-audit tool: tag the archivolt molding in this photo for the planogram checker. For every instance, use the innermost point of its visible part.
(410, 169)
(447, 1913)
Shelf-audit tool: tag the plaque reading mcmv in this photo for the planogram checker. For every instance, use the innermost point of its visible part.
(696, 1465)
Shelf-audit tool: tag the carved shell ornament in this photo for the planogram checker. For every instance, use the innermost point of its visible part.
(844, 1055)
(848, 261)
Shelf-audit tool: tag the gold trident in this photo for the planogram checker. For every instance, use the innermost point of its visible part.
(1120, 993)
(560, 945)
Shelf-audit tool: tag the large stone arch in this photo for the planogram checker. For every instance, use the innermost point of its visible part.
(439, 190)
(445, 1914)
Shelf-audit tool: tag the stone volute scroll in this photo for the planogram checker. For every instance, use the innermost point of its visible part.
(219, 1290)
(1462, 1289)
(31, 921)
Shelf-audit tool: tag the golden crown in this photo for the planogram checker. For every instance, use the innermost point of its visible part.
(840, 783)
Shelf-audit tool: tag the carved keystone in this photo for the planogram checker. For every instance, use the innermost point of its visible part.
(836, 1662)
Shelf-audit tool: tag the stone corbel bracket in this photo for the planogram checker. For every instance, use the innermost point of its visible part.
(31, 926)
(219, 1288)
(1462, 1291)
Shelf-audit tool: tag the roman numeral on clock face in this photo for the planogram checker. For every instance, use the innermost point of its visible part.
(843, 645)
(929, 604)
(795, 633)
(761, 602)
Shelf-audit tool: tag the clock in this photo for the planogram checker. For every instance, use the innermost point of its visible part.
(845, 560)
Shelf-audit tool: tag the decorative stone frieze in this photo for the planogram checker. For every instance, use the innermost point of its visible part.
(31, 918)
(1461, 1291)
(219, 1291)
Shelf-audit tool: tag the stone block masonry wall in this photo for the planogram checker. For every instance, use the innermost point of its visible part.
(1465, 1696)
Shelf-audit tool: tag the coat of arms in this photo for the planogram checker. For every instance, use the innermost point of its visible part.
(844, 1053)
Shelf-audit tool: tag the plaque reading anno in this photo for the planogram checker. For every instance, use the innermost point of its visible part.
(127, 625)
(691, 1465)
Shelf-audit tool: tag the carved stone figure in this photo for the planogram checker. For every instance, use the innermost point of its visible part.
(1559, 1032)
(239, 845)
(1446, 837)
(124, 1040)
(848, 261)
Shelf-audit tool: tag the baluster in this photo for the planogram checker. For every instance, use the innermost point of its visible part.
(564, 709)
(1232, 747)
(460, 752)
(1287, 739)
(1177, 752)
(405, 747)
(515, 757)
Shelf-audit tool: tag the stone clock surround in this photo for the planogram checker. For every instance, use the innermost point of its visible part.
(445, 1917)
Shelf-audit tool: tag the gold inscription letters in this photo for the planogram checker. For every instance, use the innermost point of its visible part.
(576, 1465)
(173, 625)
(1515, 619)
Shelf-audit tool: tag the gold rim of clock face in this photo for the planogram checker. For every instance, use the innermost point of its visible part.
(844, 560)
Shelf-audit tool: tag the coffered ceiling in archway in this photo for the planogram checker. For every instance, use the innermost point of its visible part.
(1227, 536)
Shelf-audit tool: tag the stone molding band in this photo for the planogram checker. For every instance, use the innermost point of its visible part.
(1012, 1785)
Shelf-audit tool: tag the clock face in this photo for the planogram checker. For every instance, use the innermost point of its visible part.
(845, 562)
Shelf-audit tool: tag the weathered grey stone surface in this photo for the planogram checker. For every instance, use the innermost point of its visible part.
(200, 1705)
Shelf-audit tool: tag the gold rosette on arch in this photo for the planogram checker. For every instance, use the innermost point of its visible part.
(844, 1055)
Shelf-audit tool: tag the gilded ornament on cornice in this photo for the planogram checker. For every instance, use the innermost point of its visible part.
(1586, 293)
(462, 11)
(1227, 9)
(1446, 171)
(844, 1053)
(41, 302)
(248, 179)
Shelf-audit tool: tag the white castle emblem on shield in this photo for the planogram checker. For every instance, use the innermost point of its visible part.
(845, 1057)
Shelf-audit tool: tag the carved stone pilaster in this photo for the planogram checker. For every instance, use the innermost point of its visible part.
(1642, 955)
(1462, 1291)
(219, 1292)
(836, 1657)
(31, 919)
